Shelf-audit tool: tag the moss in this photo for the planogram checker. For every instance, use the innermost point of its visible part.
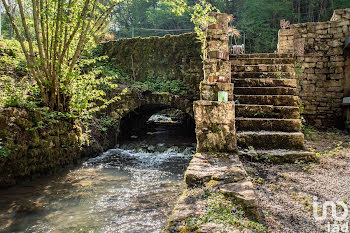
(38, 150)
(214, 128)
(172, 57)
(212, 183)
(222, 211)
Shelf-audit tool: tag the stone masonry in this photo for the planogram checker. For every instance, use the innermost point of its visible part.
(215, 121)
(215, 170)
(319, 51)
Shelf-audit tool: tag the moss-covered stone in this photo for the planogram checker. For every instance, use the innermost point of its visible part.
(169, 57)
(215, 126)
(35, 150)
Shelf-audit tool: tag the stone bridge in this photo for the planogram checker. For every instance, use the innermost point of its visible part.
(136, 107)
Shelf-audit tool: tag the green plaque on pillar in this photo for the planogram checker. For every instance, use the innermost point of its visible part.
(222, 96)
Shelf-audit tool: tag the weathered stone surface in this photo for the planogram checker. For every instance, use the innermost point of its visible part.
(280, 156)
(215, 67)
(243, 193)
(277, 100)
(286, 41)
(214, 174)
(213, 166)
(257, 61)
(268, 124)
(209, 91)
(271, 140)
(265, 91)
(263, 68)
(34, 149)
(317, 46)
(173, 57)
(267, 111)
(192, 204)
(215, 126)
(265, 82)
(263, 75)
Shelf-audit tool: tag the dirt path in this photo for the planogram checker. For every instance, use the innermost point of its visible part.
(286, 191)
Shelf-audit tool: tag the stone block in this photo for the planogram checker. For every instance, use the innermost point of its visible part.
(286, 32)
(215, 126)
(218, 45)
(214, 67)
(209, 91)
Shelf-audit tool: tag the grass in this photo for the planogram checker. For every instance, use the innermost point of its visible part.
(221, 210)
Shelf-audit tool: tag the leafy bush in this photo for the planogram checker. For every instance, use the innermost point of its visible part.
(96, 80)
(4, 151)
(12, 58)
(161, 84)
(15, 93)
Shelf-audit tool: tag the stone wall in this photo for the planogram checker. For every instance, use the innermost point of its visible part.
(29, 147)
(169, 57)
(318, 48)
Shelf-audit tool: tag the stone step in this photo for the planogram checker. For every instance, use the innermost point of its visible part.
(258, 61)
(277, 100)
(264, 82)
(267, 111)
(271, 140)
(279, 156)
(263, 75)
(263, 68)
(263, 55)
(268, 124)
(265, 91)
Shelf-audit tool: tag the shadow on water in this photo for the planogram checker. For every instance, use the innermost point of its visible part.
(128, 189)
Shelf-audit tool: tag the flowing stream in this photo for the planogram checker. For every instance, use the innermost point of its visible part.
(132, 188)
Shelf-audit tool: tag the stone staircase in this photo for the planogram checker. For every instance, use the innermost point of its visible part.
(267, 108)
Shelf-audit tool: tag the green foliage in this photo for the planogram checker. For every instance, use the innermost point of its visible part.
(221, 210)
(95, 86)
(93, 80)
(163, 84)
(148, 18)
(260, 20)
(14, 93)
(12, 60)
(4, 151)
(104, 123)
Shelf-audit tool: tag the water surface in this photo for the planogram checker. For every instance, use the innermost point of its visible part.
(132, 188)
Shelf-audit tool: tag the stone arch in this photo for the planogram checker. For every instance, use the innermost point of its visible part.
(139, 106)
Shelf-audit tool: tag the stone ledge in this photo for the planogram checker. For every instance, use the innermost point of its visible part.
(215, 175)
(280, 156)
(220, 167)
(209, 91)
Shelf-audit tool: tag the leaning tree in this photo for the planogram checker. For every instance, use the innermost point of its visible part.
(58, 32)
(61, 29)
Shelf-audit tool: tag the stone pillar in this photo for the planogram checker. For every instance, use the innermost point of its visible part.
(285, 41)
(215, 120)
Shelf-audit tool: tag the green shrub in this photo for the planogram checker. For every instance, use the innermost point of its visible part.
(4, 151)
(162, 84)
